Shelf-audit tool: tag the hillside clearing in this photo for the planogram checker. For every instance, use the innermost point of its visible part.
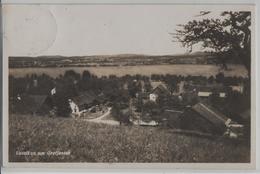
(92, 142)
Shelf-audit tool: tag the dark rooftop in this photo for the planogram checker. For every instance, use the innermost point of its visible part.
(211, 114)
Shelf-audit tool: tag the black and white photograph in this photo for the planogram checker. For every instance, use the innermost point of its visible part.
(122, 83)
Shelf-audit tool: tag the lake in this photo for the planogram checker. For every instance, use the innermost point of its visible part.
(180, 69)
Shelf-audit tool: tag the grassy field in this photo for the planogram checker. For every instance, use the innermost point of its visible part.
(182, 69)
(91, 142)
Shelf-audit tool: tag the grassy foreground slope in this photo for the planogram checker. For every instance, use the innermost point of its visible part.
(91, 142)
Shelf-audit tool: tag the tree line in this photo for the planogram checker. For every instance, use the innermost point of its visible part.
(114, 89)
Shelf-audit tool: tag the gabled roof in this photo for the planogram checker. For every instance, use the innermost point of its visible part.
(84, 98)
(38, 100)
(31, 103)
(211, 114)
(159, 87)
(155, 84)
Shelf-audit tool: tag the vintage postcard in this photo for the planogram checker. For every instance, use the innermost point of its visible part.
(129, 85)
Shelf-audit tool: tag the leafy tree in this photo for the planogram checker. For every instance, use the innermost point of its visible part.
(139, 104)
(40, 85)
(17, 86)
(121, 113)
(211, 80)
(220, 78)
(70, 74)
(133, 88)
(151, 111)
(86, 75)
(65, 91)
(62, 104)
(228, 36)
(147, 86)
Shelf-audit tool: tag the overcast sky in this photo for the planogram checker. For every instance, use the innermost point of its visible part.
(74, 30)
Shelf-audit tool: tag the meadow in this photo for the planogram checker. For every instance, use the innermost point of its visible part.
(147, 70)
(92, 142)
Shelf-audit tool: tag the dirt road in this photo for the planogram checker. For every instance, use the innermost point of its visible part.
(100, 119)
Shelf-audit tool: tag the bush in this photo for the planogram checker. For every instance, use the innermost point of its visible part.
(121, 113)
(62, 104)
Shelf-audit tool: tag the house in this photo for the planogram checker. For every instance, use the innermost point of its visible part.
(150, 123)
(158, 89)
(206, 91)
(82, 102)
(32, 104)
(53, 91)
(222, 94)
(237, 88)
(208, 119)
(180, 88)
(153, 97)
(74, 107)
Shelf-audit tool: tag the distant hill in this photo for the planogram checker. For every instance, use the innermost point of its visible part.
(110, 60)
(110, 56)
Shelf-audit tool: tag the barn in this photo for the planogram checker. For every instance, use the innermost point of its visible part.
(202, 117)
(159, 89)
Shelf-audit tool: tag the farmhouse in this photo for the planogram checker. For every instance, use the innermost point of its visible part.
(158, 89)
(84, 101)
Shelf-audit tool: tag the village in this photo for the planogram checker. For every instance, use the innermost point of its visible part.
(147, 84)
(182, 103)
